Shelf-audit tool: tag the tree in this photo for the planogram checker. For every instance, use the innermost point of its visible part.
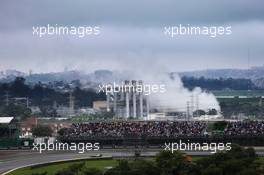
(19, 88)
(171, 163)
(17, 111)
(42, 131)
(218, 84)
(199, 113)
(234, 162)
(219, 126)
(212, 170)
(212, 112)
(62, 131)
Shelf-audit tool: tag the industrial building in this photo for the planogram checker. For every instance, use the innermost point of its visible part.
(127, 102)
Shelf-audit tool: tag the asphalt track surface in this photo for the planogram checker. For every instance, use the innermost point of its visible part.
(11, 159)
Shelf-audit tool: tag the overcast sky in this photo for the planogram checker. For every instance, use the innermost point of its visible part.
(132, 35)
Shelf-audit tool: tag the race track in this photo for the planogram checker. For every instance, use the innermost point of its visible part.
(11, 159)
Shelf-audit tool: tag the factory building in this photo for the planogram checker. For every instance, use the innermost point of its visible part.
(126, 102)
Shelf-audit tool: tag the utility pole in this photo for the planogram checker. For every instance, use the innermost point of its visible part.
(248, 69)
(197, 104)
(260, 102)
(7, 98)
(71, 103)
(188, 111)
(55, 104)
(192, 105)
(27, 102)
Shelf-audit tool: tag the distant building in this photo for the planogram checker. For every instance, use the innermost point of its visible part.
(65, 111)
(6, 120)
(56, 126)
(26, 127)
(35, 109)
(157, 116)
(7, 126)
(86, 111)
(100, 105)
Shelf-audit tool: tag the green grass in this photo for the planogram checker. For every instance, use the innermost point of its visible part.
(195, 158)
(261, 159)
(51, 169)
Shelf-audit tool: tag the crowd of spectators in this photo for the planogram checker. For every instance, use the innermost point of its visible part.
(137, 129)
(245, 128)
(154, 129)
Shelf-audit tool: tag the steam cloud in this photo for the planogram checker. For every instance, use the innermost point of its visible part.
(176, 96)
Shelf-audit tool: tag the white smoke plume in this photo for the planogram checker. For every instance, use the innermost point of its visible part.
(176, 96)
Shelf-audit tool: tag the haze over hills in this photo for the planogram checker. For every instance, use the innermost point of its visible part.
(177, 88)
(256, 74)
(66, 76)
(253, 73)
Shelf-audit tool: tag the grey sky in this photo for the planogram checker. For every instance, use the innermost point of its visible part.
(131, 35)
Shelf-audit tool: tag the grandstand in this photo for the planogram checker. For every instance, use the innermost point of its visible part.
(157, 132)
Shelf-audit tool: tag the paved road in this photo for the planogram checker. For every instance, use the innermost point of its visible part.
(13, 159)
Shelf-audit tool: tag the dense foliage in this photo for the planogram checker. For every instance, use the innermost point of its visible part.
(43, 96)
(218, 84)
(238, 161)
(42, 131)
(253, 107)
